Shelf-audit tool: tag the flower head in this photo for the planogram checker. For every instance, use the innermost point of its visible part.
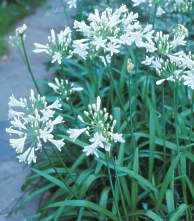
(32, 125)
(106, 33)
(169, 61)
(59, 45)
(16, 39)
(188, 79)
(167, 6)
(72, 3)
(99, 128)
(64, 88)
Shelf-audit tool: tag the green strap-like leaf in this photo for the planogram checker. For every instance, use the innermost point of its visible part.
(153, 216)
(178, 213)
(86, 204)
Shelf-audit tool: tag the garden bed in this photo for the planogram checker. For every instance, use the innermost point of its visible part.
(112, 137)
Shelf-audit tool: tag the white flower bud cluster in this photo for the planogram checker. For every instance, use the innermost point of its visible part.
(64, 88)
(15, 40)
(169, 61)
(104, 35)
(32, 125)
(21, 30)
(99, 127)
(107, 32)
(183, 5)
(166, 6)
(59, 45)
(71, 3)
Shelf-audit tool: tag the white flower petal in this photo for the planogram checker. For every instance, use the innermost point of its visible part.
(75, 133)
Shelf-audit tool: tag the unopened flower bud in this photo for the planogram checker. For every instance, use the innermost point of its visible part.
(130, 65)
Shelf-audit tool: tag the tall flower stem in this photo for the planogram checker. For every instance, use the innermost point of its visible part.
(154, 15)
(191, 125)
(114, 87)
(28, 64)
(184, 189)
(112, 187)
(120, 190)
(164, 122)
(130, 84)
(176, 113)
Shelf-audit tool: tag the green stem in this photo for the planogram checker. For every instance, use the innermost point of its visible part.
(109, 70)
(164, 121)
(28, 65)
(154, 15)
(120, 190)
(130, 109)
(114, 87)
(176, 113)
(184, 189)
(112, 188)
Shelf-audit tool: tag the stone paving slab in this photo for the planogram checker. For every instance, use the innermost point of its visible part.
(12, 176)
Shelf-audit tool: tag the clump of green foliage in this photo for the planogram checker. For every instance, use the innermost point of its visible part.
(150, 175)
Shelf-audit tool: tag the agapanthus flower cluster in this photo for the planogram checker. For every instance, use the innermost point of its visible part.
(169, 61)
(99, 129)
(188, 77)
(105, 33)
(15, 40)
(63, 88)
(71, 3)
(59, 45)
(182, 5)
(33, 123)
(166, 6)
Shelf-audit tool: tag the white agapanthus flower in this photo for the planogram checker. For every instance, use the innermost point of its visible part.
(80, 48)
(139, 2)
(15, 40)
(58, 45)
(106, 33)
(182, 5)
(166, 6)
(72, 3)
(188, 79)
(64, 88)
(99, 129)
(169, 61)
(21, 30)
(32, 125)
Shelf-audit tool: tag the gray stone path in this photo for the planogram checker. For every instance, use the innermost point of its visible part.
(15, 79)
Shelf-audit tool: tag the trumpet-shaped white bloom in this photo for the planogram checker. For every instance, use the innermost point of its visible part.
(72, 3)
(59, 45)
(106, 33)
(75, 133)
(166, 6)
(32, 125)
(80, 48)
(64, 88)
(168, 60)
(21, 30)
(16, 40)
(188, 79)
(99, 128)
